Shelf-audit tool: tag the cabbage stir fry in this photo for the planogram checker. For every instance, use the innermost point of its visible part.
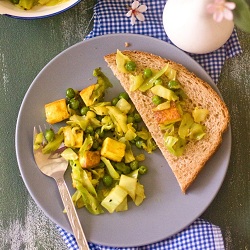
(98, 141)
(28, 4)
(178, 124)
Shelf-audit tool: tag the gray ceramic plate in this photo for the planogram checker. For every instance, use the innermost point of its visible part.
(166, 210)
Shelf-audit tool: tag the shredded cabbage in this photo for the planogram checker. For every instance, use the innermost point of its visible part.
(149, 83)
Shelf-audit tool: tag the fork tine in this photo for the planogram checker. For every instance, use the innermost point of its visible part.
(47, 126)
(37, 131)
(51, 127)
(34, 131)
(41, 130)
(54, 165)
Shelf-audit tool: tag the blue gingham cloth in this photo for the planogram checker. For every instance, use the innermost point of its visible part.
(200, 235)
(110, 17)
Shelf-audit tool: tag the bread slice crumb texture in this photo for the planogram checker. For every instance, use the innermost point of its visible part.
(200, 94)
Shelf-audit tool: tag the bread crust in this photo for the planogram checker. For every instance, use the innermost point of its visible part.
(201, 94)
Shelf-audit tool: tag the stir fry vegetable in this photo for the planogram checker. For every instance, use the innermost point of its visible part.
(29, 4)
(178, 125)
(98, 139)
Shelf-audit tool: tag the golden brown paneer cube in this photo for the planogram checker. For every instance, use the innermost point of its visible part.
(167, 116)
(56, 111)
(89, 159)
(86, 94)
(113, 150)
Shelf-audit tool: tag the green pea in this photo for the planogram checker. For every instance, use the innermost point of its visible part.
(136, 126)
(143, 170)
(84, 110)
(70, 93)
(134, 165)
(179, 92)
(107, 180)
(158, 81)
(124, 95)
(139, 143)
(67, 100)
(130, 119)
(81, 102)
(121, 166)
(114, 101)
(147, 73)
(173, 84)
(156, 100)
(95, 144)
(127, 170)
(49, 135)
(74, 103)
(137, 117)
(89, 130)
(130, 66)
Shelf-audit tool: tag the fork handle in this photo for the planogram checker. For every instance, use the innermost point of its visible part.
(72, 215)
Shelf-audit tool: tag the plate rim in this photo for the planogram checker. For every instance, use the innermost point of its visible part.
(211, 83)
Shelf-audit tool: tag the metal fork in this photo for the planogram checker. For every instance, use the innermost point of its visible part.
(54, 165)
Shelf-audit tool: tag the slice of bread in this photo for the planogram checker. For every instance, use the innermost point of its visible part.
(187, 166)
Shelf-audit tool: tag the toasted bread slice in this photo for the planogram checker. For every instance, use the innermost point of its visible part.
(187, 166)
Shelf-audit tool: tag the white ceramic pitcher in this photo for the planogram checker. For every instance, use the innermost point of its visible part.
(191, 28)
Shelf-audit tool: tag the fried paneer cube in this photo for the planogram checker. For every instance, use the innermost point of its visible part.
(89, 159)
(56, 111)
(113, 150)
(86, 95)
(167, 116)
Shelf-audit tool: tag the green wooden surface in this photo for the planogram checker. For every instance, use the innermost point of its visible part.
(231, 207)
(25, 48)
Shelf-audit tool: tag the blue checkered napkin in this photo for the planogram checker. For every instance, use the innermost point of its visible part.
(110, 17)
(200, 235)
